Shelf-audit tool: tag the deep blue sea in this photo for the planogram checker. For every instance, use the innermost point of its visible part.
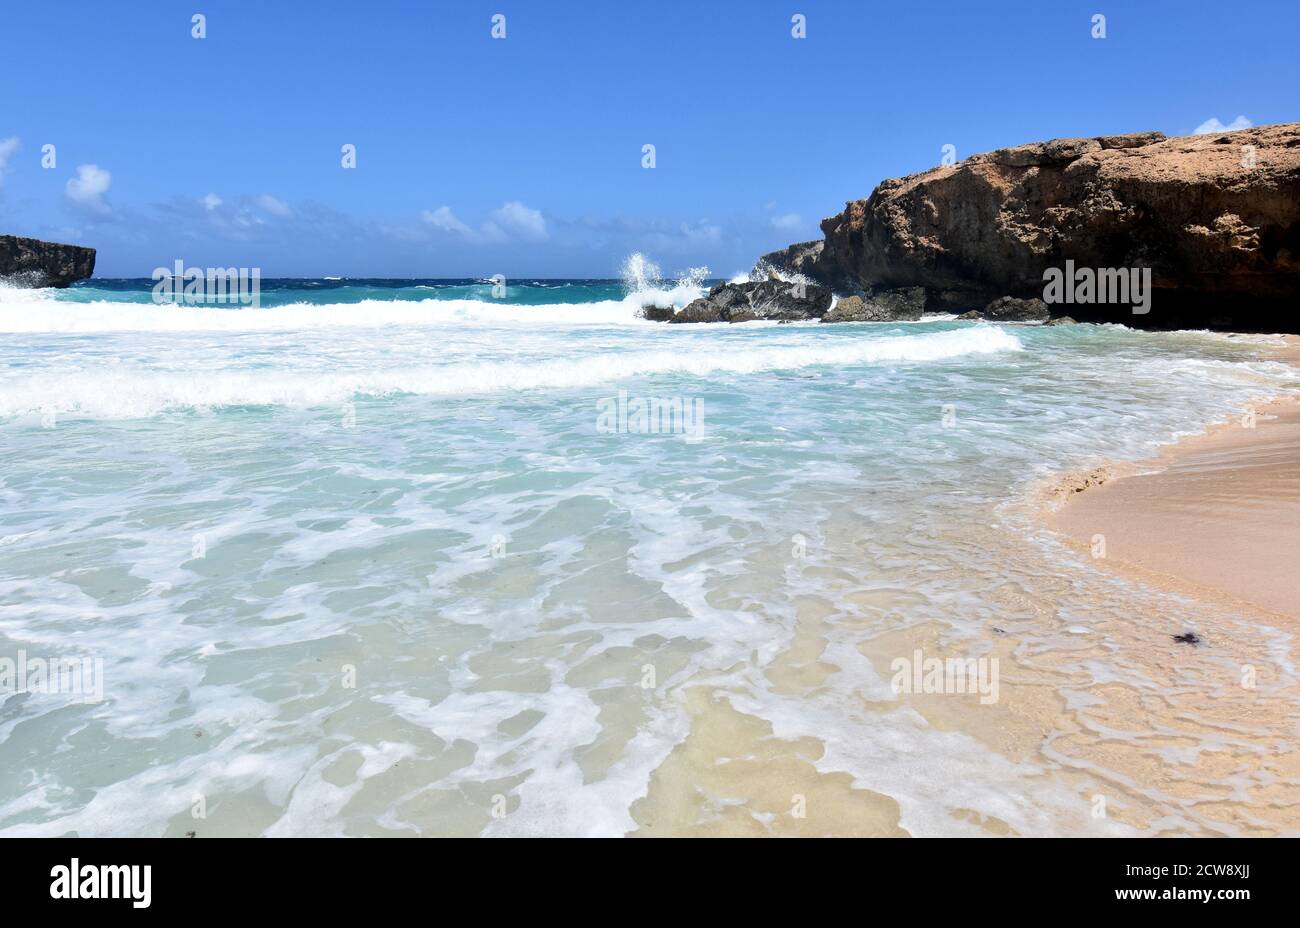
(285, 291)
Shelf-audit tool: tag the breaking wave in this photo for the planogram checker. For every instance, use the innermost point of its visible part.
(119, 390)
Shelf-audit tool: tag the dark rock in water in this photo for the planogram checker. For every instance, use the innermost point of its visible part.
(1214, 218)
(29, 262)
(778, 299)
(905, 304)
(728, 295)
(658, 313)
(1062, 320)
(766, 299)
(1010, 309)
(1189, 638)
(849, 309)
(700, 310)
(901, 303)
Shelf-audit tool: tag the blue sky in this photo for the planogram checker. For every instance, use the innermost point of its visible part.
(522, 156)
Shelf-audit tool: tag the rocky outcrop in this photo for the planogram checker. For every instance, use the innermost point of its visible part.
(700, 310)
(776, 299)
(29, 262)
(1216, 219)
(849, 309)
(805, 260)
(1010, 309)
(905, 304)
(799, 258)
(771, 299)
(657, 313)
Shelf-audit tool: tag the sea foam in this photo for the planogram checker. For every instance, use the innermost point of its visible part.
(34, 314)
(128, 390)
(530, 603)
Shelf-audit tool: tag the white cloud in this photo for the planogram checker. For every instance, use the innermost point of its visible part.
(1213, 125)
(443, 218)
(273, 206)
(211, 202)
(512, 220)
(788, 223)
(515, 217)
(87, 189)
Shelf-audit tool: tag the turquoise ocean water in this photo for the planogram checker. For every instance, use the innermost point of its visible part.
(407, 557)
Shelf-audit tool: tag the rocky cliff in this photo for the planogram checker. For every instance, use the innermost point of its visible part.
(1216, 219)
(28, 262)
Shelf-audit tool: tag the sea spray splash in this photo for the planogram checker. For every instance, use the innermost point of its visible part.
(643, 280)
(640, 273)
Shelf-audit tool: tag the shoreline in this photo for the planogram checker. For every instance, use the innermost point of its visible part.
(1214, 516)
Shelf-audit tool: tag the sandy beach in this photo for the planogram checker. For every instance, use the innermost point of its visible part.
(1216, 515)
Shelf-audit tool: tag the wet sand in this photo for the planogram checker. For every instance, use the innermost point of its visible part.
(1109, 722)
(1217, 515)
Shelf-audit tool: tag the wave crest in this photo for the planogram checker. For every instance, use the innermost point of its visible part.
(122, 391)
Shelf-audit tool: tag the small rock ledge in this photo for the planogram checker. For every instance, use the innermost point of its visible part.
(29, 262)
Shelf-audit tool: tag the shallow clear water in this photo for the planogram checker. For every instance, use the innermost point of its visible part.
(365, 561)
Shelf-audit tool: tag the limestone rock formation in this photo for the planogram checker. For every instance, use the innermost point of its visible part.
(1216, 219)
